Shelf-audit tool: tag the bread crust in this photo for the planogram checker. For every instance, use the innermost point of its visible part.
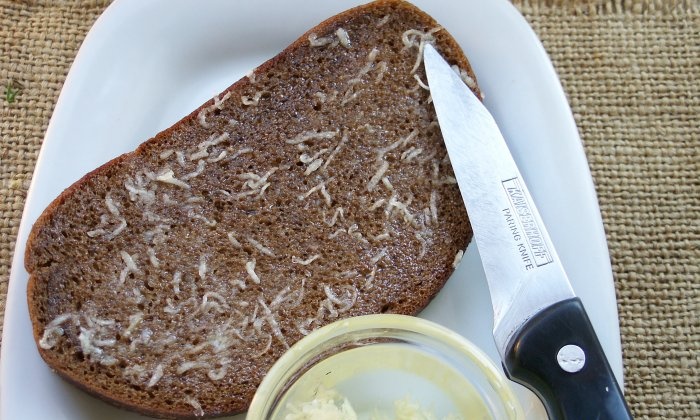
(36, 282)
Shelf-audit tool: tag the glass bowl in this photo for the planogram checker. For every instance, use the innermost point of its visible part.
(383, 367)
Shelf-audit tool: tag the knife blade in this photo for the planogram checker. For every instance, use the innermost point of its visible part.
(541, 329)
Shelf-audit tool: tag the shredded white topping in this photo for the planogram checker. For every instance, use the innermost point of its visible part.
(202, 268)
(254, 101)
(202, 118)
(343, 37)
(86, 345)
(213, 140)
(218, 158)
(218, 103)
(387, 183)
(114, 211)
(410, 153)
(134, 321)
(350, 95)
(297, 260)
(280, 298)
(335, 151)
(203, 147)
(383, 21)
(369, 282)
(311, 135)
(263, 189)
(415, 38)
(217, 374)
(436, 169)
(180, 158)
(260, 247)
(131, 266)
(241, 285)
(381, 254)
(157, 374)
(101, 322)
(232, 238)
(170, 308)
(184, 367)
(464, 76)
(251, 75)
(313, 166)
(423, 244)
(111, 207)
(200, 167)
(198, 411)
(250, 269)
(382, 68)
(304, 158)
(138, 191)
(195, 199)
(61, 319)
(207, 221)
(398, 143)
(50, 337)
(354, 231)
(266, 348)
(382, 237)
(403, 206)
(106, 342)
(207, 304)
(138, 296)
(315, 41)
(168, 177)
(420, 82)
(346, 301)
(458, 258)
(272, 322)
(255, 181)
(369, 65)
(152, 256)
(199, 155)
(319, 187)
(348, 274)
(377, 175)
(240, 152)
(166, 154)
(157, 235)
(336, 233)
(427, 217)
(433, 205)
(338, 213)
(377, 204)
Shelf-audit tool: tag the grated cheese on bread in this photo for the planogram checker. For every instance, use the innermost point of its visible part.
(317, 187)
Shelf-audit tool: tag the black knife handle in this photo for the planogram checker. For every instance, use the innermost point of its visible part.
(591, 393)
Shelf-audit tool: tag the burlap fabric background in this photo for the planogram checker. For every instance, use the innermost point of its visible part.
(631, 70)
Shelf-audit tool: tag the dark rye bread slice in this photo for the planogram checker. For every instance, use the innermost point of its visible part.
(170, 279)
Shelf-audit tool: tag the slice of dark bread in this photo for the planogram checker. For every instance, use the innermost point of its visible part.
(170, 279)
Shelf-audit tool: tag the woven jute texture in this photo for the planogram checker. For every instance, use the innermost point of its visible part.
(631, 71)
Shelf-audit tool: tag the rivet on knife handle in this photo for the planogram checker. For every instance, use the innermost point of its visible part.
(582, 389)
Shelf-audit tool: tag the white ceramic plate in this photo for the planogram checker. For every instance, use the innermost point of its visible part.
(144, 65)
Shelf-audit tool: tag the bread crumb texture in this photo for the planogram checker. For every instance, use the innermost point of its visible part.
(169, 280)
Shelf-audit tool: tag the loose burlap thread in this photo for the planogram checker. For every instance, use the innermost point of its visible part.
(631, 71)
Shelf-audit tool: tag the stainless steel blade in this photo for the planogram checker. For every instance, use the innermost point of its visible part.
(522, 268)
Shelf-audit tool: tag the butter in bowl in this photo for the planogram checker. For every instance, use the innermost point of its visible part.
(384, 367)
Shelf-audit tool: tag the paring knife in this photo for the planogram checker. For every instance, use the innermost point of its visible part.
(541, 329)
